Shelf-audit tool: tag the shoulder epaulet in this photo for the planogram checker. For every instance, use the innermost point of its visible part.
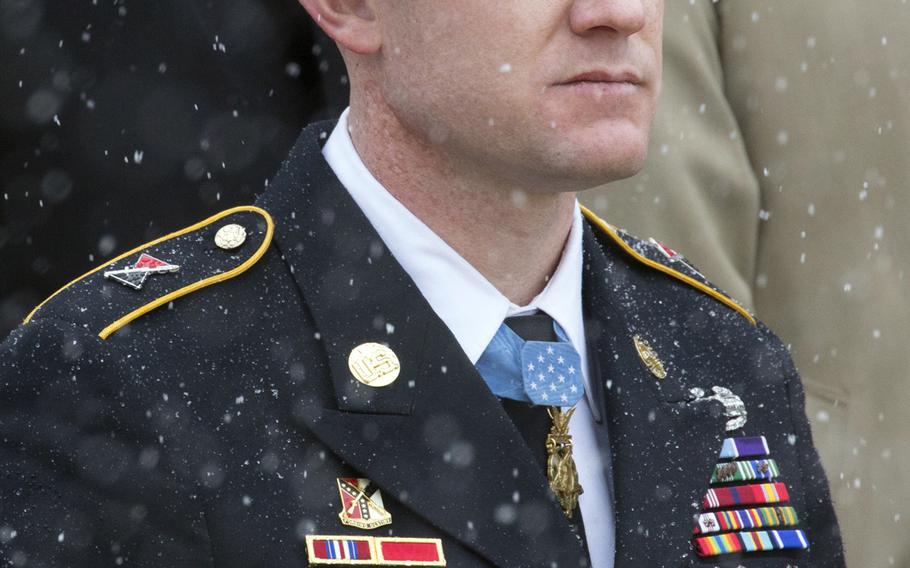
(660, 257)
(156, 273)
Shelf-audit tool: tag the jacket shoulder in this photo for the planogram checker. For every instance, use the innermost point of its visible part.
(156, 273)
(662, 258)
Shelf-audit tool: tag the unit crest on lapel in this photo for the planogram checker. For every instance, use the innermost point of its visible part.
(136, 282)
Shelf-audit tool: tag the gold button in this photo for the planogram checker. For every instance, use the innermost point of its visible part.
(230, 236)
(374, 365)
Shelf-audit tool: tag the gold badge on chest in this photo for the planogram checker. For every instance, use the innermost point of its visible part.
(649, 357)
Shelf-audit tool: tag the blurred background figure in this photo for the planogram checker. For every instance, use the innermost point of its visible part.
(121, 121)
(779, 166)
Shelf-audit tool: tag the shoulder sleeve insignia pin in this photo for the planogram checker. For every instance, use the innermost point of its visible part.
(672, 255)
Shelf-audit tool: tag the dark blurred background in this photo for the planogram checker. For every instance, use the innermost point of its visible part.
(123, 120)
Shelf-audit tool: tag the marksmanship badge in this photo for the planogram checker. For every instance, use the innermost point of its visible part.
(361, 504)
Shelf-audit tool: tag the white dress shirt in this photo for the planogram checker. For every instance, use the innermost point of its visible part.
(473, 309)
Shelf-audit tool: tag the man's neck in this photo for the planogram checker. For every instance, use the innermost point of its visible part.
(513, 237)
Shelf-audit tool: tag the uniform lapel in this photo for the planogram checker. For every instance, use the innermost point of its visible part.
(436, 439)
(663, 449)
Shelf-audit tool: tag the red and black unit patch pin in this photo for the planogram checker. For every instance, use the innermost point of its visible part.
(136, 276)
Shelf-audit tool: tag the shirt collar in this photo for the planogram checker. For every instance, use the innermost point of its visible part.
(470, 306)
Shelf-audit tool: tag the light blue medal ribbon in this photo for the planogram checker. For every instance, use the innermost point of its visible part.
(545, 373)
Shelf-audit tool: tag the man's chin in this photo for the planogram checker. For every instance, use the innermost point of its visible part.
(604, 143)
(594, 165)
(602, 177)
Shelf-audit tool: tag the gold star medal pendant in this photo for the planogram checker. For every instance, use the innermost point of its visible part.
(561, 471)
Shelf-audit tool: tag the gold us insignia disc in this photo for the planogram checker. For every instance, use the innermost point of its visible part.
(374, 364)
(649, 357)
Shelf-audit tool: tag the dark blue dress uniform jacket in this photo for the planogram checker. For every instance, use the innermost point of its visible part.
(203, 420)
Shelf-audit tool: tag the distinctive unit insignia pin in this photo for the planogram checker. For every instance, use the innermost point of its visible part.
(361, 504)
(374, 364)
(649, 357)
(230, 236)
(136, 276)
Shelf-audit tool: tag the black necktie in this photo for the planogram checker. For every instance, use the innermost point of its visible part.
(532, 421)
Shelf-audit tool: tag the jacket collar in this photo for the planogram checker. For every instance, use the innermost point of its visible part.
(436, 437)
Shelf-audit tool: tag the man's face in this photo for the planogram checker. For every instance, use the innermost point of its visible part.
(556, 95)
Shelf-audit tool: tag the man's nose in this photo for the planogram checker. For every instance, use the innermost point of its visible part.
(625, 17)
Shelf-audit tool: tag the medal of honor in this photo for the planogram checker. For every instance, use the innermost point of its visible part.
(551, 372)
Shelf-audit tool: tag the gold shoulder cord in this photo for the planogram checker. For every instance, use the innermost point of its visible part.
(127, 318)
(611, 232)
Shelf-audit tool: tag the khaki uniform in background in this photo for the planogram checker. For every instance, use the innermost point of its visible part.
(780, 165)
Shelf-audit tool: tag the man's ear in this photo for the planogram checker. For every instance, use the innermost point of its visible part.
(351, 23)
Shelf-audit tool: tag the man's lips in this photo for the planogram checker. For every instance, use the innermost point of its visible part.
(604, 77)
